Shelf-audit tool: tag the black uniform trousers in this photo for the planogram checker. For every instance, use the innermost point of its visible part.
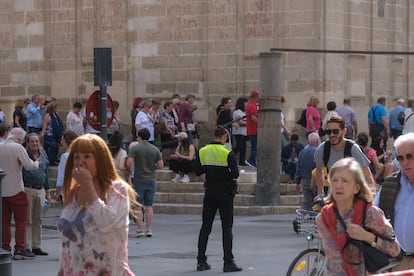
(223, 201)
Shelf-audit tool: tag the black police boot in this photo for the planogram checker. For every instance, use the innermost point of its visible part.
(231, 267)
(201, 266)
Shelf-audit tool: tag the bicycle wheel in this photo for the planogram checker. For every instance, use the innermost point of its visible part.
(309, 262)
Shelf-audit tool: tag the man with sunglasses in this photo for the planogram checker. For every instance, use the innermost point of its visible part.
(336, 131)
(396, 199)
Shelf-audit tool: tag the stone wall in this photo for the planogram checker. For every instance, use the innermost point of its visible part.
(207, 47)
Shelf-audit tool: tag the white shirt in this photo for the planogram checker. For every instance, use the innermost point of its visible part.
(75, 123)
(408, 124)
(328, 115)
(115, 125)
(88, 127)
(13, 165)
(144, 120)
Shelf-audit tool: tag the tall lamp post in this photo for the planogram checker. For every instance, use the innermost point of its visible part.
(5, 261)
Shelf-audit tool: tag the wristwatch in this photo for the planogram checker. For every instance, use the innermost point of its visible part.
(374, 243)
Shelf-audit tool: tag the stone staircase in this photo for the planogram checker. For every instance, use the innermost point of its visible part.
(187, 198)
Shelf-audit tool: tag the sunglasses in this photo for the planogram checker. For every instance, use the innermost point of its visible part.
(334, 131)
(408, 156)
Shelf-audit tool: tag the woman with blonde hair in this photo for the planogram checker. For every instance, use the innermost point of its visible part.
(95, 216)
(350, 200)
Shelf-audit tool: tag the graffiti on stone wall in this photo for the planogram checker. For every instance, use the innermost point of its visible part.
(7, 40)
(223, 7)
(180, 24)
(62, 15)
(178, 10)
(110, 19)
(258, 23)
(109, 14)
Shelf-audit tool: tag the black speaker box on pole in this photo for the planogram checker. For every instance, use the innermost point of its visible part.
(102, 66)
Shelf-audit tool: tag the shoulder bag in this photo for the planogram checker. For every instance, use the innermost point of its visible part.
(374, 259)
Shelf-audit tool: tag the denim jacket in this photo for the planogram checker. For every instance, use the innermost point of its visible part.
(39, 176)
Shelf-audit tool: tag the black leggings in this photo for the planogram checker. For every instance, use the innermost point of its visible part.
(240, 148)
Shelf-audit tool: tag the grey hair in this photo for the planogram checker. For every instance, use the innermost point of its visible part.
(16, 133)
(31, 134)
(314, 138)
(409, 137)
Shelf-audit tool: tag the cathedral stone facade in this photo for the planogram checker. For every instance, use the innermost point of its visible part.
(207, 47)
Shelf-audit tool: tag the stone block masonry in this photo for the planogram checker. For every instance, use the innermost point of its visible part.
(207, 47)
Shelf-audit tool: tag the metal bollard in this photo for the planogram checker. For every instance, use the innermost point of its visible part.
(5, 261)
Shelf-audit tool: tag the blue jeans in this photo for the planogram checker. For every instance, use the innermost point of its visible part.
(253, 150)
(307, 194)
(290, 168)
(146, 192)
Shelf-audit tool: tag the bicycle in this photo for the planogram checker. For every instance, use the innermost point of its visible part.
(311, 261)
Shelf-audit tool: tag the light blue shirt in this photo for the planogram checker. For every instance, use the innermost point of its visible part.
(376, 113)
(403, 214)
(393, 120)
(61, 169)
(34, 116)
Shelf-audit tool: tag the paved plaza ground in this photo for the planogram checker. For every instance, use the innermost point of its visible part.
(263, 245)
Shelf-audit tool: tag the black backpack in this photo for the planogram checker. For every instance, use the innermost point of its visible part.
(302, 119)
(401, 117)
(327, 151)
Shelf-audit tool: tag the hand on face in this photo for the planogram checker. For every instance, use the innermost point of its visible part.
(84, 168)
(82, 175)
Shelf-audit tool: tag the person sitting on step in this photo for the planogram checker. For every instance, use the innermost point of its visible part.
(181, 161)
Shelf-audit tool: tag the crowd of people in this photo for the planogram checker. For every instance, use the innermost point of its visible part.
(337, 171)
(339, 177)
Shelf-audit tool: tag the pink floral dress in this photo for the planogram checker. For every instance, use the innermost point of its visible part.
(95, 237)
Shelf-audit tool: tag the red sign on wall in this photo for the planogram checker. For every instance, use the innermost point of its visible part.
(93, 110)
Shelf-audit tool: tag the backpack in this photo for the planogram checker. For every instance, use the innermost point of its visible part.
(401, 117)
(302, 119)
(388, 195)
(327, 151)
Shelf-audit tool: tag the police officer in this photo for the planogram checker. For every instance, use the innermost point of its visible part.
(220, 167)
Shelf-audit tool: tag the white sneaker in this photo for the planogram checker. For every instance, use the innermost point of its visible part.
(140, 233)
(185, 179)
(176, 178)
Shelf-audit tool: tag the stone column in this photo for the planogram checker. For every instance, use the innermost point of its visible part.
(268, 134)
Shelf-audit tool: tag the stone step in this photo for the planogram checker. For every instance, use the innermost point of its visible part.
(167, 175)
(198, 187)
(187, 198)
(240, 199)
(52, 171)
(197, 198)
(196, 209)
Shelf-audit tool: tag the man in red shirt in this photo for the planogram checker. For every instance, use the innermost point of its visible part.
(251, 125)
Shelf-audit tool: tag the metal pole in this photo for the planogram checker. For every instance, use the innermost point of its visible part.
(103, 111)
(268, 134)
(5, 261)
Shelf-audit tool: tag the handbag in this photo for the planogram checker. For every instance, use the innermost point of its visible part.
(374, 259)
(191, 127)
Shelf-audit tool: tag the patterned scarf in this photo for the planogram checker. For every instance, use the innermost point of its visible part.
(340, 236)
